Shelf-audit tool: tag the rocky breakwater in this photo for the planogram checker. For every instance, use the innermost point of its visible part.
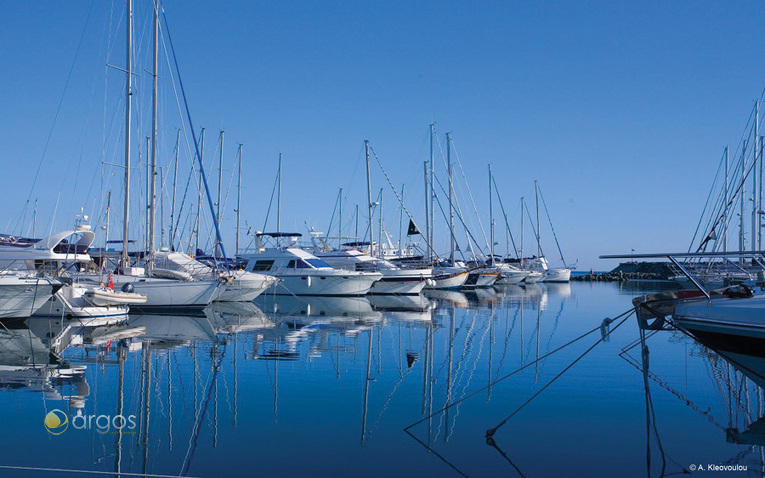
(631, 271)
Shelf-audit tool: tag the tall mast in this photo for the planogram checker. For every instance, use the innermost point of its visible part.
(216, 252)
(153, 168)
(220, 178)
(125, 261)
(148, 192)
(758, 176)
(539, 238)
(369, 199)
(432, 196)
(340, 223)
(451, 196)
(108, 213)
(491, 220)
(743, 201)
(173, 224)
(427, 210)
(523, 207)
(755, 159)
(380, 233)
(34, 219)
(238, 198)
(725, 211)
(401, 224)
(279, 198)
(201, 185)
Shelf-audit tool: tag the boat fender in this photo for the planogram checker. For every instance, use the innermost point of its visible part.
(309, 281)
(127, 287)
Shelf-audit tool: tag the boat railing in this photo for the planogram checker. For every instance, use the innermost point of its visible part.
(692, 273)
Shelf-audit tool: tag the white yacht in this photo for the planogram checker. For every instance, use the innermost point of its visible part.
(302, 273)
(21, 295)
(395, 279)
(60, 255)
(240, 285)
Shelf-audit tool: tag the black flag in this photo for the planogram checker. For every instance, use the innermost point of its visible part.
(412, 229)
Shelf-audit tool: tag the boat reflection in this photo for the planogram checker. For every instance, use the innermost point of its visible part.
(169, 331)
(239, 317)
(414, 308)
(27, 363)
(448, 298)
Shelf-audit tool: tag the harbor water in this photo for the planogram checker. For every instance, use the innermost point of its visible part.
(513, 381)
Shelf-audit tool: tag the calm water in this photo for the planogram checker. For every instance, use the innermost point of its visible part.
(326, 387)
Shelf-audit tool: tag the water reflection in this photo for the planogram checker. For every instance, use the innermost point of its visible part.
(348, 374)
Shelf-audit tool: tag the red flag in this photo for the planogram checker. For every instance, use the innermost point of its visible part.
(110, 285)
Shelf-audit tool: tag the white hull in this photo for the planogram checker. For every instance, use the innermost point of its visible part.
(22, 296)
(448, 278)
(512, 277)
(742, 316)
(534, 277)
(165, 294)
(327, 283)
(71, 302)
(245, 287)
(557, 275)
(401, 281)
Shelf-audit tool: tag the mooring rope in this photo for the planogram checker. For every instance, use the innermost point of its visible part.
(623, 315)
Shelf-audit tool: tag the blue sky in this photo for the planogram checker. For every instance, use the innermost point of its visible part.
(621, 110)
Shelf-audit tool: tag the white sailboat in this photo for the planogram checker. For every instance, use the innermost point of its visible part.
(162, 294)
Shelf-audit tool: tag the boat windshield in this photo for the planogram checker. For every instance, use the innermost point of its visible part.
(317, 263)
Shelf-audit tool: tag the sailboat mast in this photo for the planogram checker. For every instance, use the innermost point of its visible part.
(216, 251)
(725, 211)
(125, 261)
(238, 198)
(220, 178)
(401, 224)
(432, 197)
(175, 179)
(758, 177)
(153, 168)
(523, 206)
(451, 196)
(491, 220)
(755, 159)
(369, 199)
(427, 210)
(279, 198)
(536, 203)
(743, 202)
(380, 232)
(201, 185)
(340, 223)
(108, 213)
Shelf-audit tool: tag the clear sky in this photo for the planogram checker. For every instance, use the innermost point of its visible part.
(620, 110)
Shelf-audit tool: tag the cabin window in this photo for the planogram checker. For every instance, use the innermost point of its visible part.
(301, 264)
(262, 266)
(317, 263)
(291, 264)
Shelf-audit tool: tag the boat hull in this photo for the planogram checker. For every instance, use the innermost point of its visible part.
(165, 294)
(557, 275)
(245, 287)
(22, 296)
(326, 283)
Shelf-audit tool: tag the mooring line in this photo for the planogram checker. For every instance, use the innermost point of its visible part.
(490, 432)
(87, 472)
(599, 327)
